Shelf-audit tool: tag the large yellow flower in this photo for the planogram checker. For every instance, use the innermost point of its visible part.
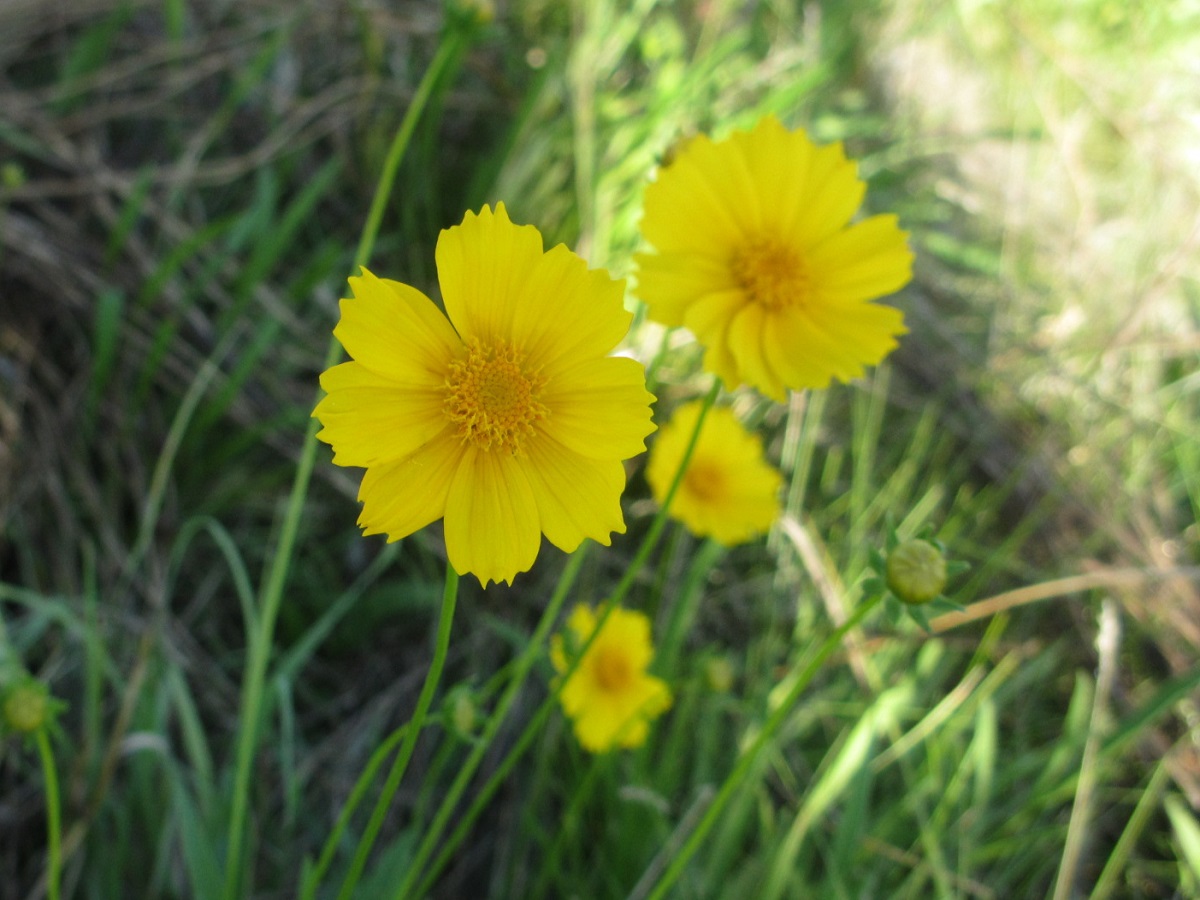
(609, 696)
(729, 491)
(756, 257)
(507, 419)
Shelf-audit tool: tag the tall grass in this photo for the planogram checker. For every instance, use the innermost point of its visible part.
(183, 189)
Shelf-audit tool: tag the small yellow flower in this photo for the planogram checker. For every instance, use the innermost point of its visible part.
(729, 492)
(506, 417)
(609, 696)
(756, 257)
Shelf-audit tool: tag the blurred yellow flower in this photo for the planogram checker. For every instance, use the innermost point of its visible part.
(729, 492)
(609, 697)
(756, 257)
(507, 418)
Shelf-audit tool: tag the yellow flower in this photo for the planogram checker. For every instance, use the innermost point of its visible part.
(609, 696)
(507, 418)
(729, 492)
(756, 257)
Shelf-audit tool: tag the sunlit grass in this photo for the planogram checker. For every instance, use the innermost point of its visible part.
(183, 192)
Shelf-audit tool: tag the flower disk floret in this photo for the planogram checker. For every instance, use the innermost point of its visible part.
(755, 253)
(506, 417)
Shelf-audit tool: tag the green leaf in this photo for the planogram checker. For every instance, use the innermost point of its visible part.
(1187, 833)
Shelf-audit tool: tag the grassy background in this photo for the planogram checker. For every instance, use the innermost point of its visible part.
(182, 188)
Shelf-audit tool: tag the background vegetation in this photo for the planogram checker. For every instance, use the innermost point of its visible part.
(183, 184)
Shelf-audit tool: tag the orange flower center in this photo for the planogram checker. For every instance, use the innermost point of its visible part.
(772, 274)
(704, 481)
(613, 669)
(492, 397)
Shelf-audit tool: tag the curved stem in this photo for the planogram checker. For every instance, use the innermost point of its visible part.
(53, 818)
(734, 781)
(259, 651)
(449, 596)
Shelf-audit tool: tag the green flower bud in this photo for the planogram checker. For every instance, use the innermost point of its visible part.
(12, 175)
(718, 672)
(474, 12)
(916, 572)
(27, 706)
(463, 712)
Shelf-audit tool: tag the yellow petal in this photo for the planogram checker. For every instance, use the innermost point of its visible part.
(709, 319)
(777, 163)
(484, 266)
(492, 529)
(691, 206)
(596, 729)
(566, 312)
(730, 172)
(629, 630)
(867, 260)
(746, 343)
(576, 497)
(406, 495)
(582, 621)
(600, 408)
(668, 283)
(396, 331)
(832, 192)
(868, 331)
(807, 356)
(809, 347)
(498, 285)
(369, 419)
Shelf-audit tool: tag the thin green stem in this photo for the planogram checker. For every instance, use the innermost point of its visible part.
(734, 781)
(569, 823)
(449, 52)
(449, 597)
(480, 800)
(53, 817)
(656, 362)
(660, 519)
(687, 603)
(314, 876)
(532, 651)
(543, 712)
(259, 651)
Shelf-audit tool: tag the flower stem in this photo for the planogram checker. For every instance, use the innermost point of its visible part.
(53, 818)
(734, 781)
(258, 653)
(312, 877)
(543, 712)
(532, 651)
(569, 823)
(687, 603)
(449, 597)
(660, 519)
(449, 54)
